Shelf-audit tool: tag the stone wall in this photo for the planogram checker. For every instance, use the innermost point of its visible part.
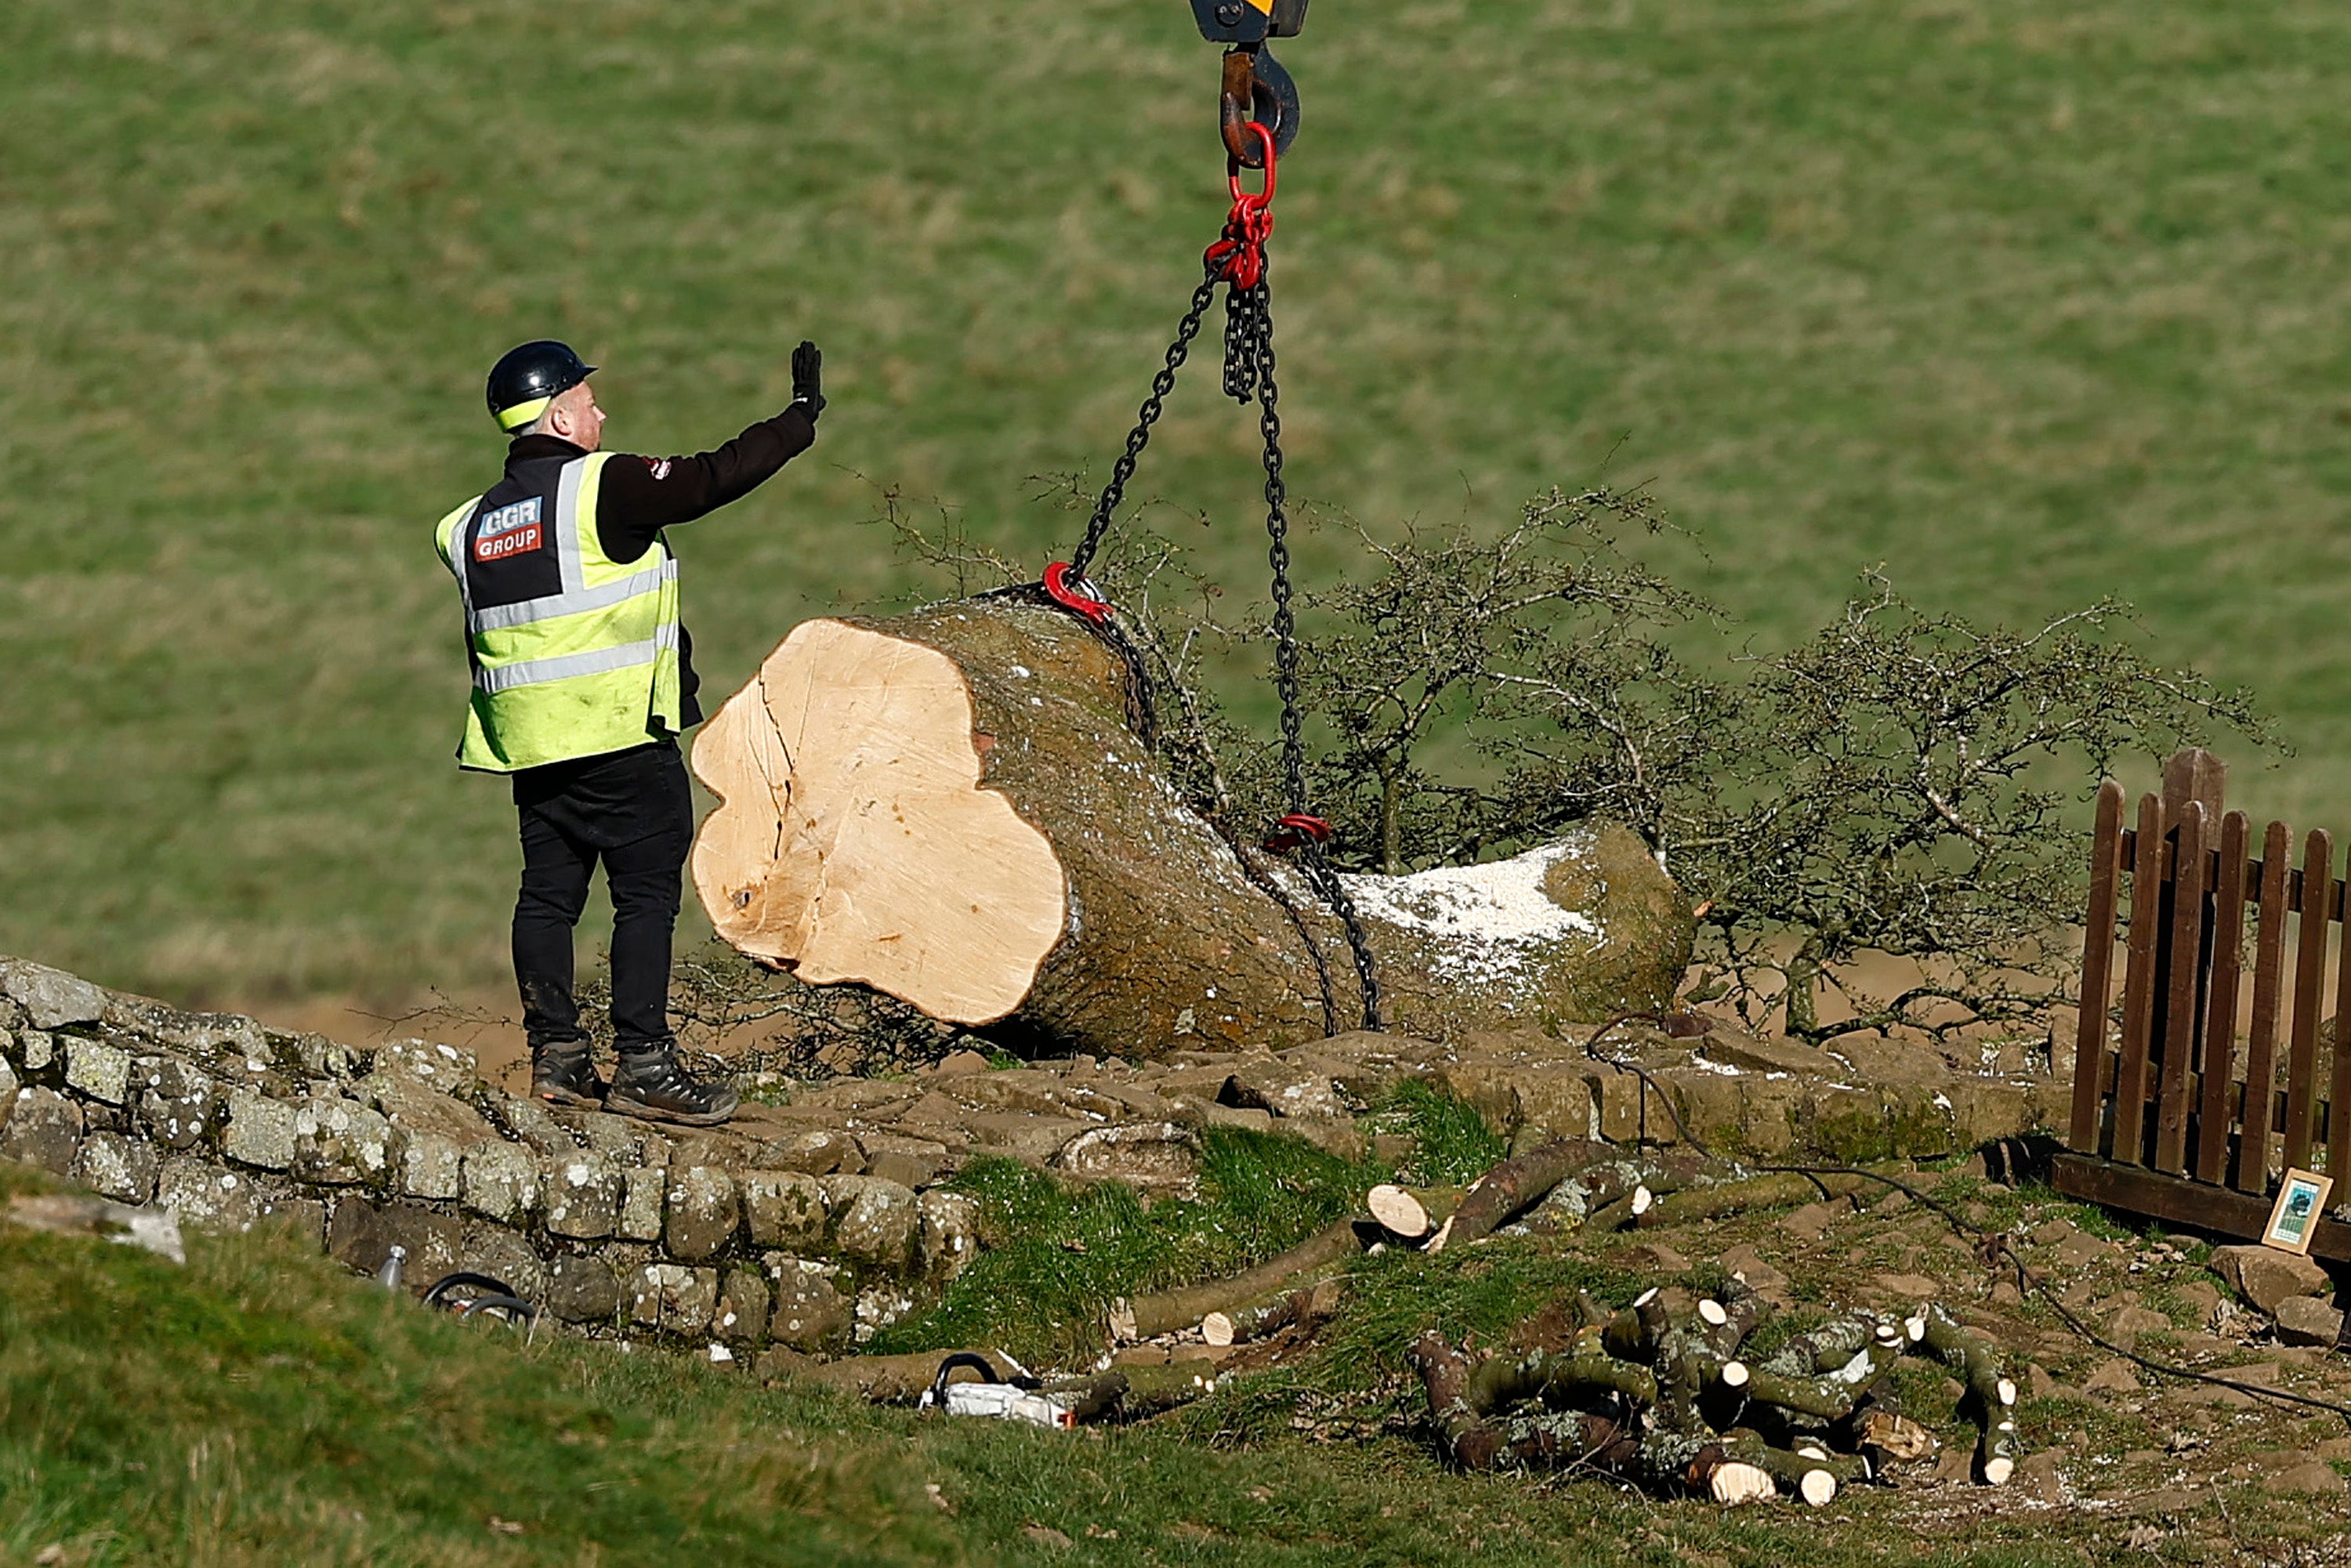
(811, 1222)
(614, 1225)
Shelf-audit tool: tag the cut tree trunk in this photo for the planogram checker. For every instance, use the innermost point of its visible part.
(1411, 1214)
(948, 807)
(1168, 1312)
(1515, 1186)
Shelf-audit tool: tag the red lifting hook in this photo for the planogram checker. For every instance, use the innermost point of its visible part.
(1079, 597)
(1297, 829)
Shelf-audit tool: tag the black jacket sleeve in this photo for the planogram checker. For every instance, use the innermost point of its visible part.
(641, 495)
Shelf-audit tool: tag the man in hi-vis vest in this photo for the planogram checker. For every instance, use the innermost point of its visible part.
(584, 680)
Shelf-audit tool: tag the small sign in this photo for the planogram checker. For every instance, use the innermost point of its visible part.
(2300, 1200)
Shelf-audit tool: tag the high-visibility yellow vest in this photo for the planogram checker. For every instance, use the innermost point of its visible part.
(573, 653)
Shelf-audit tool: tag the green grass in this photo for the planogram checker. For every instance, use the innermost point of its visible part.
(2032, 304)
(1453, 1144)
(261, 1406)
(1058, 1253)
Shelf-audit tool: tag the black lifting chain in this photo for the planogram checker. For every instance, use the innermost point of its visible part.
(1140, 436)
(1249, 371)
(1141, 709)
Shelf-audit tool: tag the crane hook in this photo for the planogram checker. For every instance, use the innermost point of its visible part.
(1256, 89)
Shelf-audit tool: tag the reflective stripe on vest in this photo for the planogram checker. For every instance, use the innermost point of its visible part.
(565, 667)
(588, 669)
(500, 617)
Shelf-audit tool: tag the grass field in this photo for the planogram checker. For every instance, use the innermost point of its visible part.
(262, 1405)
(2033, 302)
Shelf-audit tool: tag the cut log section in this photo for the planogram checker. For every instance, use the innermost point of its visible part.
(948, 807)
(1301, 1268)
(1633, 1333)
(1990, 1391)
(1659, 1395)
(1515, 1186)
(1301, 1308)
(1411, 1214)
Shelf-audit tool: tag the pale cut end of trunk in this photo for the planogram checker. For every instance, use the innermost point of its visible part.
(1915, 1327)
(853, 841)
(1398, 1212)
(1736, 1482)
(1713, 1312)
(1735, 1374)
(1817, 1487)
(1643, 1200)
(1216, 1329)
(1996, 1471)
(1898, 1437)
(1122, 1320)
(2007, 1391)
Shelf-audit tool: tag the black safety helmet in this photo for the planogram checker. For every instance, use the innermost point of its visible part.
(527, 379)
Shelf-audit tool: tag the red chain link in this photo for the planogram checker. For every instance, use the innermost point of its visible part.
(1238, 258)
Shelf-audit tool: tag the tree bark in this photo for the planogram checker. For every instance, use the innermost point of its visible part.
(948, 807)
(1516, 1185)
(1557, 1376)
(1166, 1312)
(1465, 1438)
(1550, 1439)
(1990, 1390)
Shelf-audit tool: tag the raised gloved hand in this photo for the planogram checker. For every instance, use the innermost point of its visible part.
(807, 377)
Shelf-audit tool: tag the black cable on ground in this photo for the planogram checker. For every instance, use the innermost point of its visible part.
(463, 1279)
(1995, 1244)
(512, 1306)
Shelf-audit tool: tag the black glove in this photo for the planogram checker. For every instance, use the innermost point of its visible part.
(807, 377)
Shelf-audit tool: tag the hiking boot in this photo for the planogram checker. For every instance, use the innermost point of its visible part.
(563, 1073)
(652, 1083)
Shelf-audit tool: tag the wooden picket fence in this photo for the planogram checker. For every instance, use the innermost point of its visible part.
(2175, 1115)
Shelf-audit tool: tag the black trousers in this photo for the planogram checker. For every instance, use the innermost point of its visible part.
(634, 811)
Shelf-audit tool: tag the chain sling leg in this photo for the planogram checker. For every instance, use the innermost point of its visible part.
(1237, 261)
(1145, 417)
(1141, 709)
(1251, 318)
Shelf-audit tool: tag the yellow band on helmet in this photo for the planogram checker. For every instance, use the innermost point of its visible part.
(522, 413)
